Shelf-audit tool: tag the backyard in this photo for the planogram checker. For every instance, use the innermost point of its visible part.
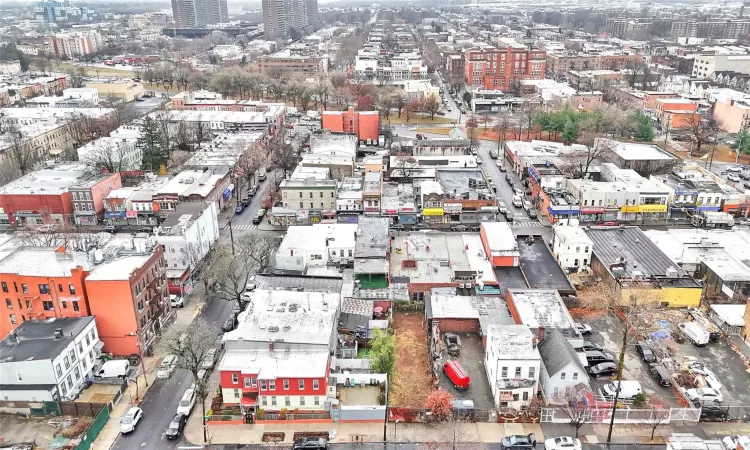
(412, 381)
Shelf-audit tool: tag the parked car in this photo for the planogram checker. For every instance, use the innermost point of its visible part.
(562, 443)
(660, 374)
(733, 177)
(734, 169)
(176, 426)
(245, 202)
(239, 208)
(712, 411)
(459, 228)
(187, 402)
(420, 226)
(645, 351)
(583, 328)
(603, 369)
(111, 228)
(531, 213)
(167, 366)
(452, 343)
(457, 375)
(607, 224)
(703, 394)
(176, 301)
(590, 346)
(508, 179)
(230, 323)
(251, 285)
(502, 208)
(144, 229)
(518, 442)
(599, 357)
(397, 227)
(517, 202)
(252, 192)
(130, 419)
(310, 443)
(209, 359)
(526, 205)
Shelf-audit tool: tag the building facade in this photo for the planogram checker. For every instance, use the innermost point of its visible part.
(199, 13)
(499, 69)
(363, 124)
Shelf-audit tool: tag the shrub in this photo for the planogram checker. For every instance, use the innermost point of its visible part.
(440, 403)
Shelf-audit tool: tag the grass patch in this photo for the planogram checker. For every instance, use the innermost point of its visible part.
(92, 71)
(412, 381)
(396, 120)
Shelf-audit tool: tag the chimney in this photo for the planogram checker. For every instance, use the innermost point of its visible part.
(534, 342)
(270, 346)
(58, 333)
(540, 334)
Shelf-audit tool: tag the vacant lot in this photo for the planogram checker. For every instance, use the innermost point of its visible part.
(412, 380)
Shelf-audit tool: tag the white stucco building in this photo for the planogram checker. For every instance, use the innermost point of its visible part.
(562, 369)
(512, 363)
(48, 360)
(571, 247)
(314, 247)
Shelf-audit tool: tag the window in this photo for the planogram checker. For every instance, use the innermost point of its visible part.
(5, 286)
(350, 253)
(58, 370)
(12, 319)
(301, 205)
(93, 334)
(59, 287)
(504, 372)
(311, 195)
(562, 376)
(301, 384)
(247, 382)
(264, 401)
(312, 205)
(286, 385)
(235, 378)
(25, 289)
(75, 306)
(48, 306)
(70, 381)
(15, 286)
(64, 304)
(62, 388)
(272, 385)
(73, 355)
(273, 401)
(316, 401)
(9, 303)
(77, 373)
(287, 401)
(532, 372)
(575, 375)
(302, 401)
(518, 372)
(525, 395)
(316, 385)
(263, 385)
(515, 397)
(44, 288)
(254, 382)
(72, 289)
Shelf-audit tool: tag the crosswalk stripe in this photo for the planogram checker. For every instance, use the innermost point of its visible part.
(242, 227)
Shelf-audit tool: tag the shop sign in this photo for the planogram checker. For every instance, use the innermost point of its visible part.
(131, 214)
(590, 210)
(630, 209)
(302, 214)
(452, 208)
(652, 208)
(432, 212)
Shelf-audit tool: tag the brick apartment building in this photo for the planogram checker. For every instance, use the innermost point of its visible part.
(498, 68)
(560, 63)
(363, 124)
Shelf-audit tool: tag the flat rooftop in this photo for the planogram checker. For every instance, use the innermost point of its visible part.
(372, 238)
(288, 316)
(512, 342)
(48, 181)
(633, 151)
(540, 267)
(486, 309)
(40, 262)
(36, 339)
(631, 248)
(272, 365)
(541, 308)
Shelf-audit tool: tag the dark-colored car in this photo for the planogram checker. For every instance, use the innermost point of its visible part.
(519, 442)
(502, 168)
(111, 228)
(645, 351)
(397, 227)
(239, 209)
(508, 179)
(230, 323)
(599, 357)
(176, 426)
(591, 347)
(712, 411)
(144, 229)
(452, 343)
(245, 201)
(660, 374)
(459, 228)
(310, 443)
(508, 216)
(604, 369)
(420, 226)
(252, 192)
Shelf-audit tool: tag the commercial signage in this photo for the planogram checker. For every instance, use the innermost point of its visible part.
(407, 218)
(630, 209)
(302, 214)
(131, 214)
(590, 210)
(452, 208)
(115, 214)
(390, 212)
(432, 212)
(644, 209)
(406, 209)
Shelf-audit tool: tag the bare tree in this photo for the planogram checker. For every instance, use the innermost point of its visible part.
(453, 434)
(406, 166)
(108, 155)
(249, 163)
(431, 105)
(486, 119)
(577, 409)
(501, 128)
(19, 149)
(190, 343)
(658, 416)
(234, 264)
(578, 164)
(703, 130)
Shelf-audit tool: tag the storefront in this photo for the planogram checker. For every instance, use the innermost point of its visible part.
(116, 217)
(432, 215)
(635, 213)
(452, 212)
(407, 215)
(590, 214)
(86, 218)
(391, 214)
(347, 217)
(562, 212)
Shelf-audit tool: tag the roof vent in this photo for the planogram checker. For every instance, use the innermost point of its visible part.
(58, 333)
(273, 328)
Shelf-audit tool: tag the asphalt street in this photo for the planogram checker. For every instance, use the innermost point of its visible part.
(432, 446)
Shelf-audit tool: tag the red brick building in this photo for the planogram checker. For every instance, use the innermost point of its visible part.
(363, 124)
(498, 68)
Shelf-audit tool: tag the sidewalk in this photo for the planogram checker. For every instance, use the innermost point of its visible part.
(137, 388)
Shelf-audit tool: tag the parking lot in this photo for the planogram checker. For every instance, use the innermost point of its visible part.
(471, 359)
(718, 356)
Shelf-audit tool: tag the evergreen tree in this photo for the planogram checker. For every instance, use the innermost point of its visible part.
(644, 128)
(742, 141)
(151, 143)
(570, 132)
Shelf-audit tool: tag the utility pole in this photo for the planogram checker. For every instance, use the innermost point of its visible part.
(231, 236)
(739, 148)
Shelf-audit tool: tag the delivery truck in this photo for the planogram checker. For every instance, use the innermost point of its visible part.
(712, 219)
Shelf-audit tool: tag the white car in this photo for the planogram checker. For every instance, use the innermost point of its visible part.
(187, 402)
(209, 359)
(176, 301)
(479, 160)
(526, 205)
(733, 177)
(562, 443)
(583, 328)
(251, 284)
(167, 366)
(702, 394)
(130, 420)
(734, 169)
(517, 202)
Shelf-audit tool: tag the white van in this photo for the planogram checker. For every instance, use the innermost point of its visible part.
(116, 368)
(695, 332)
(628, 389)
(517, 202)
